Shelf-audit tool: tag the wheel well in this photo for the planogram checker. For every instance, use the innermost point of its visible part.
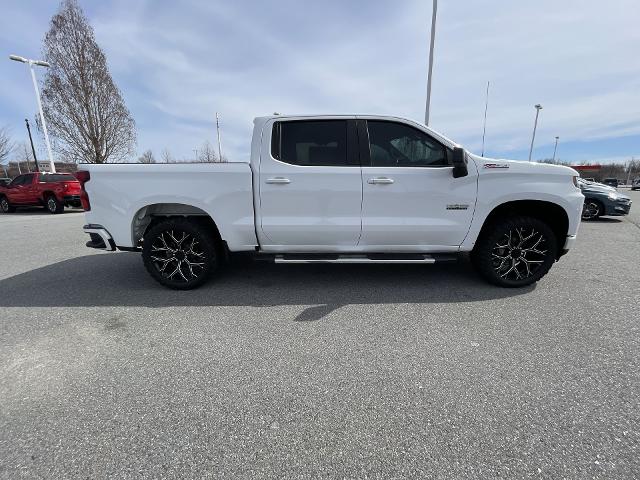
(551, 213)
(47, 193)
(152, 214)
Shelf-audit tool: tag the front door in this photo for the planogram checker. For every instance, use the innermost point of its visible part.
(310, 185)
(410, 199)
(18, 189)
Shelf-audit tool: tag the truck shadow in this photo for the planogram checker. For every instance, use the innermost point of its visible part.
(120, 280)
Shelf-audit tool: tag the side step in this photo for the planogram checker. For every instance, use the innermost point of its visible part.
(371, 258)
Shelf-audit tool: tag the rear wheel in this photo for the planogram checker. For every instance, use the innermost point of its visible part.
(179, 253)
(515, 252)
(5, 206)
(53, 205)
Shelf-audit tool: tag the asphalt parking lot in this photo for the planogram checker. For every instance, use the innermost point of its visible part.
(297, 371)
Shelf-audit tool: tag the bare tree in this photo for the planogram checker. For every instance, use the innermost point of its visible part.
(147, 157)
(6, 145)
(83, 107)
(167, 157)
(23, 154)
(206, 153)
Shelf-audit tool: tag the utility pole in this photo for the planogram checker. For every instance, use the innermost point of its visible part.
(555, 148)
(196, 152)
(484, 125)
(33, 150)
(219, 144)
(433, 39)
(40, 63)
(535, 125)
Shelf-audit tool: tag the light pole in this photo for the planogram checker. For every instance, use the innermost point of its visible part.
(219, 144)
(40, 63)
(433, 39)
(484, 125)
(535, 125)
(555, 148)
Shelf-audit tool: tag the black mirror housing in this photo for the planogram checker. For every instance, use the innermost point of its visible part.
(459, 160)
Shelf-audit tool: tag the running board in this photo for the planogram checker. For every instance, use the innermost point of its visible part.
(301, 258)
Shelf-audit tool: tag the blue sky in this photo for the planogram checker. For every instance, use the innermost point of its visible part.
(177, 63)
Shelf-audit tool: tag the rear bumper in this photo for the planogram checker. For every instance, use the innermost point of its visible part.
(100, 238)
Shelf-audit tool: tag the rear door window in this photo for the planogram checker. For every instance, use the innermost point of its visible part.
(312, 143)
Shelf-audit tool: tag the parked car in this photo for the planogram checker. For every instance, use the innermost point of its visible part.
(598, 184)
(612, 182)
(337, 189)
(53, 191)
(635, 185)
(5, 181)
(599, 201)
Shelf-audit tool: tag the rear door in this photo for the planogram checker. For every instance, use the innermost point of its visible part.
(310, 187)
(410, 199)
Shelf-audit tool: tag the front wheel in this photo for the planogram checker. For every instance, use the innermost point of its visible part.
(179, 253)
(5, 206)
(591, 210)
(515, 252)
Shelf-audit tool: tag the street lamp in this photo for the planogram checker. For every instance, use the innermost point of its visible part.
(535, 125)
(39, 63)
(555, 148)
(433, 39)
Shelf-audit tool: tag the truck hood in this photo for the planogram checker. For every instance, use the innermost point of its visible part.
(487, 165)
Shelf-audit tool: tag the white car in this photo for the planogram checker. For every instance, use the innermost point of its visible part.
(337, 189)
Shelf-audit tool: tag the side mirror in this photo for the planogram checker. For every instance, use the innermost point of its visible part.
(459, 160)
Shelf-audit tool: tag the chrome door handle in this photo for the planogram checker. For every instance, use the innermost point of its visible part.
(278, 180)
(380, 181)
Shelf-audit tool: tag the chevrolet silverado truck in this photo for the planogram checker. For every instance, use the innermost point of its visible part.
(53, 191)
(337, 189)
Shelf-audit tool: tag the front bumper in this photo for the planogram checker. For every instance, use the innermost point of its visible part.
(568, 244)
(100, 238)
(618, 207)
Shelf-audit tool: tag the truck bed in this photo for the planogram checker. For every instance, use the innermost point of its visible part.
(122, 192)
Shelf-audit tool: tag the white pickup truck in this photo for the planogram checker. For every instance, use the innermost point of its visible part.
(337, 189)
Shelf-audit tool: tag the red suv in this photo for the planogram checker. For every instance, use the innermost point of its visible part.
(51, 190)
